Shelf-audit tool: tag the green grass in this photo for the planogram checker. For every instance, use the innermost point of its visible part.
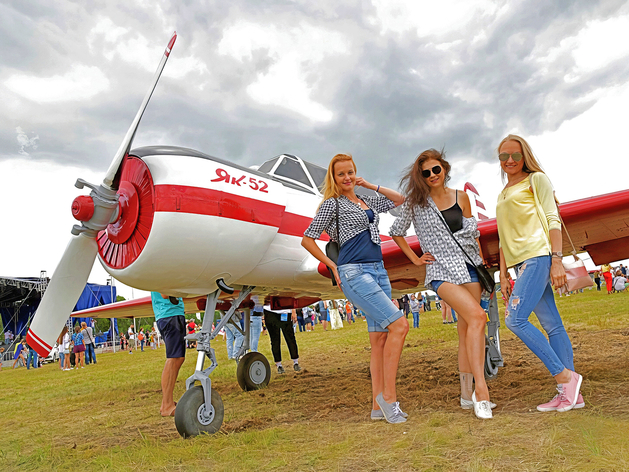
(106, 417)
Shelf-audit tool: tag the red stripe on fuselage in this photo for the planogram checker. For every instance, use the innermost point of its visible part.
(204, 201)
(42, 348)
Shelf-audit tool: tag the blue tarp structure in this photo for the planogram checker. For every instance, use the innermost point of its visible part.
(96, 295)
(19, 301)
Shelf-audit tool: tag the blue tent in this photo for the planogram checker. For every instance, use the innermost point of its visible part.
(20, 297)
(96, 295)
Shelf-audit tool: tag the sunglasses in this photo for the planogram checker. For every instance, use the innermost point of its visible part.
(435, 170)
(504, 156)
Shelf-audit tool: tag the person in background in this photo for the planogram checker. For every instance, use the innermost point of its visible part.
(255, 327)
(79, 348)
(153, 338)
(414, 304)
(308, 318)
(171, 322)
(131, 340)
(282, 320)
(88, 337)
(233, 337)
(32, 358)
(20, 349)
(529, 229)
(300, 319)
(141, 339)
(348, 312)
(619, 281)
(607, 275)
(446, 312)
(324, 314)
(597, 279)
(623, 269)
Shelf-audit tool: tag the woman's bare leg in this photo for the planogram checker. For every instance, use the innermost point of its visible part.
(391, 357)
(376, 366)
(464, 301)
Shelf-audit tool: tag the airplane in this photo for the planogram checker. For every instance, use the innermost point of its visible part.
(183, 223)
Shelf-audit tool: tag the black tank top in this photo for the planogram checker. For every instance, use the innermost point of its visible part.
(454, 215)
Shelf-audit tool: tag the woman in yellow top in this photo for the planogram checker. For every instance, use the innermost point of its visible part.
(530, 241)
(607, 275)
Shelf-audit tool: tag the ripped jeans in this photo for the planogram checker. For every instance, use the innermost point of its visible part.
(533, 292)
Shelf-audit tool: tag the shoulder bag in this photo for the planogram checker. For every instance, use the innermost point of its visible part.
(484, 277)
(332, 248)
(577, 276)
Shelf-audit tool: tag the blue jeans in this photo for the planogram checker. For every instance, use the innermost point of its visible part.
(302, 324)
(416, 319)
(62, 359)
(90, 355)
(255, 329)
(32, 358)
(533, 292)
(367, 286)
(453, 315)
(234, 339)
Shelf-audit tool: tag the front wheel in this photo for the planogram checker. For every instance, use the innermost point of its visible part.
(491, 370)
(254, 371)
(193, 416)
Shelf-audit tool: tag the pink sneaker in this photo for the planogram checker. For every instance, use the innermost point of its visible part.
(559, 401)
(571, 392)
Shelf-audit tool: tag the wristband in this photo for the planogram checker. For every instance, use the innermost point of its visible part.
(378, 189)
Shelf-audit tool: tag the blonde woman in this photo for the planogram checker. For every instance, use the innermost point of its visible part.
(360, 272)
(530, 241)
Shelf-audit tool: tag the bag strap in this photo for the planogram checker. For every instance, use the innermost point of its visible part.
(440, 216)
(563, 224)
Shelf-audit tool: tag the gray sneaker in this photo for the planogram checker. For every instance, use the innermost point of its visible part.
(391, 411)
(377, 415)
(280, 369)
(296, 367)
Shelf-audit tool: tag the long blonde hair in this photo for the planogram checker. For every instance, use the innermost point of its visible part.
(330, 189)
(530, 162)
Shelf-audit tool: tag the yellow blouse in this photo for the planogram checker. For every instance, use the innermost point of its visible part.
(524, 219)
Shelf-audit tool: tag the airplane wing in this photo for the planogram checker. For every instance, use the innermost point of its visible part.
(138, 308)
(598, 225)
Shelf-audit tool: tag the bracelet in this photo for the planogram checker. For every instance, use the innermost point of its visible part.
(378, 189)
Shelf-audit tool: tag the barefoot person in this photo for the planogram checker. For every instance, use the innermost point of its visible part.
(361, 274)
(530, 241)
(171, 322)
(429, 206)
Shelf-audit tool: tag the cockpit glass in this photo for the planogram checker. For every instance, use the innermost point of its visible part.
(291, 169)
(267, 166)
(316, 173)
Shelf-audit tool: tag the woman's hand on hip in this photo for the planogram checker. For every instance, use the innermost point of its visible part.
(557, 273)
(425, 259)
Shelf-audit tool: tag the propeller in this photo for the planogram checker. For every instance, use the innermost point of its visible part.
(95, 212)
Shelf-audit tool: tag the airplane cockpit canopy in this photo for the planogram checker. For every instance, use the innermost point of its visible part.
(294, 170)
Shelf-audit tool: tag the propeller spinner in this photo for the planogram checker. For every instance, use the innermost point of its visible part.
(95, 212)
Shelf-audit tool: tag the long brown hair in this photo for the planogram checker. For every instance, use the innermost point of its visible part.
(330, 189)
(414, 186)
(63, 333)
(530, 162)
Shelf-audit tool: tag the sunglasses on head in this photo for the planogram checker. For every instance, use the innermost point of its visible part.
(435, 170)
(504, 156)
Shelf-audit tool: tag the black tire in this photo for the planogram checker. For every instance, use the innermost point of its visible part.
(491, 370)
(188, 414)
(254, 371)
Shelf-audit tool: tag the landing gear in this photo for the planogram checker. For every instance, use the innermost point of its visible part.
(200, 409)
(493, 356)
(194, 417)
(254, 371)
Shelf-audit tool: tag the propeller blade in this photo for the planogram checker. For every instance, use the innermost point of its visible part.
(62, 293)
(71, 274)
(125, 146)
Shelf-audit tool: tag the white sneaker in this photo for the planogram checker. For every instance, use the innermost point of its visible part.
(482, 408)
(469, 404)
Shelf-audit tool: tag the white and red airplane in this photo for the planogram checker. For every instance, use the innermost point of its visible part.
(180, 222)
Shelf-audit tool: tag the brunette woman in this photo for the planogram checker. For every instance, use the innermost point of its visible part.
(530, 241)
(79, 347)
(361, 274)
(431, 206)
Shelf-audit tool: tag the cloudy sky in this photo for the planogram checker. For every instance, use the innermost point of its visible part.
(247, 80)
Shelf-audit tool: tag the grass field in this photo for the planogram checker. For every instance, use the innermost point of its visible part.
(107, 416)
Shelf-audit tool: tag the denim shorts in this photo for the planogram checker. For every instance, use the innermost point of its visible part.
(367, 286)
(435, 284)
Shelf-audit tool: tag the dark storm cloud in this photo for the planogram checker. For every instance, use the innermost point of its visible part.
(393, 96)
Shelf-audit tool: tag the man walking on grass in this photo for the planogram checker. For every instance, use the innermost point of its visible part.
(171, 322)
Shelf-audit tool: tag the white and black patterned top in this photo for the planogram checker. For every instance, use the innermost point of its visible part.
(352, 218)
(449, 264)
